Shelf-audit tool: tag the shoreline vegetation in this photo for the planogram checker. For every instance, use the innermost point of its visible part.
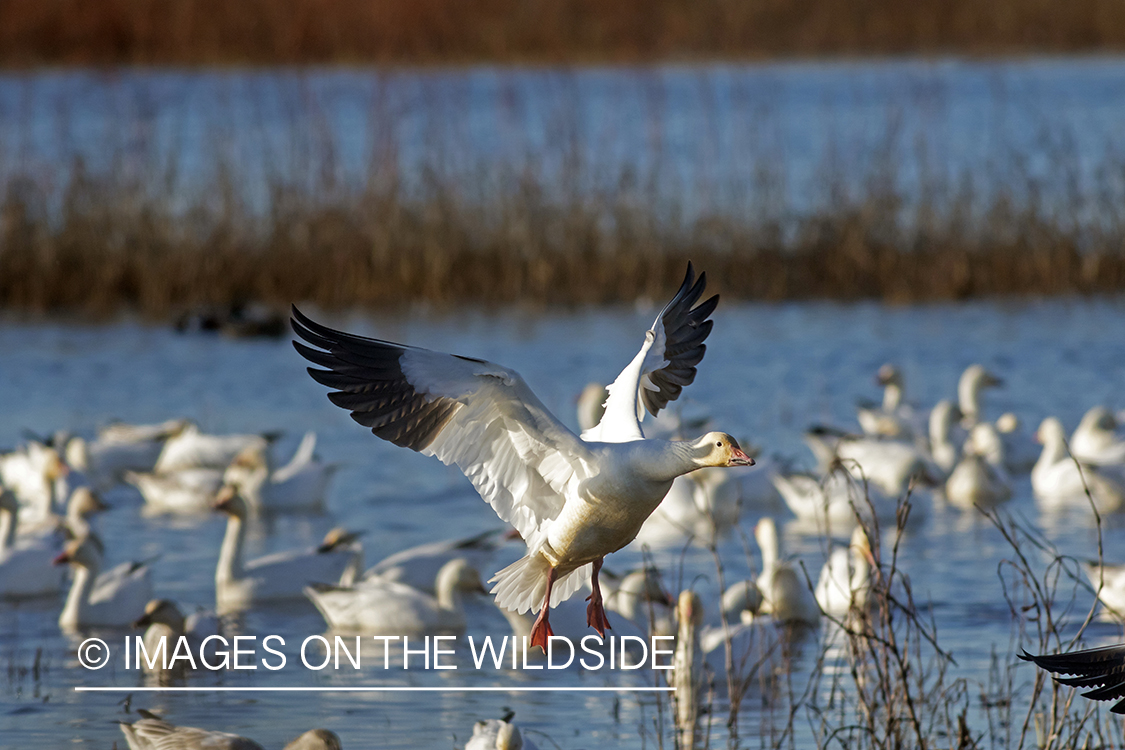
(212, 32)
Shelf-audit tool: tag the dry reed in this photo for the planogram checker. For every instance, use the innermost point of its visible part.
(180, 32)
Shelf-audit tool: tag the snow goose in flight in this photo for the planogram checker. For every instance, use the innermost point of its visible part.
(1102, 669)
(573, 499)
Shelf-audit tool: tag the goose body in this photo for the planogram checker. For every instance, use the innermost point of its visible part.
(185, 491)
(379, 607)
(890, 465)
(418, 566)
(1096, 441)
(115, 598)
(280, 576)
(944, 445)
(893, 418)
(980, 479)
(163, 620)
(573, 499)
(834, 501)
(973, 381)
(25, 564)
(785, 593)
(33, 474)
(154, 733)
(845, 579)
(497, 734)
(106, 458)
(299, 486)
(192, 449)
(1056, 476)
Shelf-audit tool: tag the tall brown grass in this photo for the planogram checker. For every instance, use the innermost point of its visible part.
(131, 233)
(427, 31)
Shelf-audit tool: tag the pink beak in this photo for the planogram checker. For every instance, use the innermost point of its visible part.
(738, 458)
(62, 559)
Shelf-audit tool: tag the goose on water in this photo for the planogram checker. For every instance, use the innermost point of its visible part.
(418, 566)
(192, 449)
(785, 593)
(119, 448)
(573, 499)
(891, 465)
(835, 502)
(1056, 476)
(1020, 450)
(973, 380)
(1096, 440)
(300, 485)
(701, 506)
(980, 478)
(893, 418)
(34, 474)
(845, 579)
(25, 565)
(944, 446)
(186, 491)
(163, 621)
(154, 733)
(377, 607)
(114, 598)
(498, 734)
(280, 576)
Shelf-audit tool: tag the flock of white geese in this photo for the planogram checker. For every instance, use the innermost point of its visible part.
(571, 497)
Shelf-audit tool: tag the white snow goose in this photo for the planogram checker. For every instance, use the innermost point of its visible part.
(573, 499)
(110, 599)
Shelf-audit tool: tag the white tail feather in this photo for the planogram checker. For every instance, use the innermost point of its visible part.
(522, 585)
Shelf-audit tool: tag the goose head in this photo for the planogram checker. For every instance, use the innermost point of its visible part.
(316, 739)
(230, 502)
(718, 449)
(247, 465)
(337, 538)
(888, 374)
(1098, 419)
(975, 378)
(85, 552)
(85, 502)
(161, 612)
(1051, 432)
(459, 575)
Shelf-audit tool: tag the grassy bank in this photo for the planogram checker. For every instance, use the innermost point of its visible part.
(177, 32)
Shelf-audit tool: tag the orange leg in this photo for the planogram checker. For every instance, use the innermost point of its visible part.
(595, 611)
(541, 630)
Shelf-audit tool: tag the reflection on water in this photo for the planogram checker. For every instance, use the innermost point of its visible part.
(769, 371)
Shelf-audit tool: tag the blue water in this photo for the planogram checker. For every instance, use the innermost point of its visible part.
(769, 371)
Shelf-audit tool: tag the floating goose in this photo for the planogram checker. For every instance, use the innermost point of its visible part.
(418, 566)
(1096, 441)
(1056, 476)
(121, 432)
(192, 449)
(701, 506)
(378, 607)
(893, 418)
(845, 579)
(498, 734)
(973, 380)
(25, 565)
(186, 491)
(891, 465)
(163, 620)
(1020, 450)
(119, 448)
(115, 598)
(153, 733)
(300, 485)
(1102, 669)
(785, 592)
(943, 448)
(283, 575)
(980, 479)
(33, 474)
(832, 503)
(573, 499)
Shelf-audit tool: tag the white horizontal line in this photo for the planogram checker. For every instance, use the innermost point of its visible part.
(80, 689)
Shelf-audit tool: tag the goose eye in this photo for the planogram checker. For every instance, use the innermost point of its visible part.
(719, 443)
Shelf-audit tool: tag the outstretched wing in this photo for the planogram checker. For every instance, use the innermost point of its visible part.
(663, 366)
(1100, 668)
(477, 415)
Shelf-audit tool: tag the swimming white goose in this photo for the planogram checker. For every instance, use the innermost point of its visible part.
(980, 479)
(163, 620)
(33, 474)
(153, 733)
(893, 418)
(845, 579)
(117, 449)
(1096, 440)
(701, 506)
(832, 503)
(1020, 449)
(785, 592)
(82, 504)
(280, 576)
(25, 565)
(944, 446)
(114, 598)
(1056, 476)
(378, 607)
(573, 499)
(185, 491)
(498, 734)
(192, 449)
(418, 566)
(299, 486)
(973, 380)
(890, 465)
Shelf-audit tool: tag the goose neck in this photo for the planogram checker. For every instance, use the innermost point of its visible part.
(892, 397)
(230, 554)
(78, 599)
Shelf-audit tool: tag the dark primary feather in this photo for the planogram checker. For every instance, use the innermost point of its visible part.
(368, 381)
(685, 329)
(1100, 668)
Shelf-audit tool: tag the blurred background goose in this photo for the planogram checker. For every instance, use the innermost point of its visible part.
(980, 479)
(163, 620)
(1056, 476)
(894, 418)
(1096, 441)
(185, 491)
(113, 598)
(300, 485)
(154, 733)
(119, 448)
(845, 580)
(418, 566)
(192, 449)
(25, 565)
(498, 734)
(785, 591)
(973, 381)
